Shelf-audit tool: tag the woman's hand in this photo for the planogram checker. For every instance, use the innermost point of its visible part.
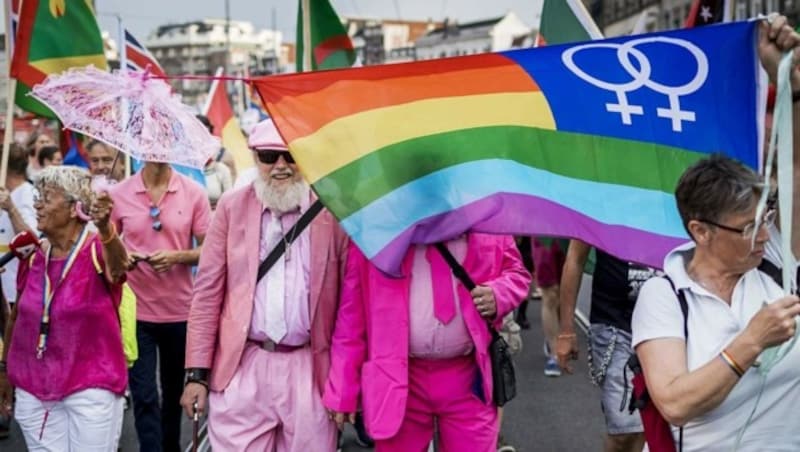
(101, 211)
(776, 36)
(6, 395)
(774, 323)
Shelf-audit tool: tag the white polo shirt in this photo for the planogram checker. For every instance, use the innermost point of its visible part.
(712, 325)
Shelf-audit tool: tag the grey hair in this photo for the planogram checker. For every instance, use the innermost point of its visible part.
(76, 183)
(714, 187)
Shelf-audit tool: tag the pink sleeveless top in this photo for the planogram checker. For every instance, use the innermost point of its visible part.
(84, 345)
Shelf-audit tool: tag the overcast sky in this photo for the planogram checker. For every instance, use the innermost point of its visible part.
(143, 16)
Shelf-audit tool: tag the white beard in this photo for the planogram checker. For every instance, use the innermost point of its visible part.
(281, 200)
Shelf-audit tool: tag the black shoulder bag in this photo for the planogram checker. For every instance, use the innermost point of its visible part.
(288, 238)
(504, 380)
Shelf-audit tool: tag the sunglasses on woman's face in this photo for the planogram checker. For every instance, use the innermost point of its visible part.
(270, 156)
(155, 212)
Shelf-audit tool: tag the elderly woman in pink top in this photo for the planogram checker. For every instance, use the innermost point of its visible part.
(65, 355)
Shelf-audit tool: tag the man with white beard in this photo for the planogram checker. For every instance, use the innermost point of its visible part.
(257, 351)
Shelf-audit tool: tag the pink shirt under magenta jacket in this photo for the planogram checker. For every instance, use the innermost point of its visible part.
(84, 347)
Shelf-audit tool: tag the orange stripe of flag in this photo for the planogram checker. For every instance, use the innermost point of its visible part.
(400, 88)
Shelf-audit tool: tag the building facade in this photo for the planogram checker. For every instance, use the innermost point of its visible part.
(200, 47)
(454, 39)
(619, 17)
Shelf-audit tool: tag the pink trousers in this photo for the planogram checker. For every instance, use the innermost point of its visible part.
(443, 389)
(271, 405)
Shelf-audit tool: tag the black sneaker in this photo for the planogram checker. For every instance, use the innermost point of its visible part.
(362, 438)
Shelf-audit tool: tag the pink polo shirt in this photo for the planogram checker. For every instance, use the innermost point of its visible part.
(296, 295)
(185, 213)
(429, 338)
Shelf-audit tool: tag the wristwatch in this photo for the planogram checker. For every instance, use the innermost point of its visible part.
(197, 375)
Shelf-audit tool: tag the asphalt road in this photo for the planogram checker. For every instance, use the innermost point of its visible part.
(549, 414)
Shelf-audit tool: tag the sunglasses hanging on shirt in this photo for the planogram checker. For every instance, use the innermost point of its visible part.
(155, 214)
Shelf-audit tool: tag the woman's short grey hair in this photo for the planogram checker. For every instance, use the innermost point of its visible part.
(714, 187)
(76, 183)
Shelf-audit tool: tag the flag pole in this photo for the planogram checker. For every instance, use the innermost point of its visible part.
(123, 67)
(306, 36)
(11, 89)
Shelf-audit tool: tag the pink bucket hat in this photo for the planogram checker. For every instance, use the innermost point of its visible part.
(265, 136)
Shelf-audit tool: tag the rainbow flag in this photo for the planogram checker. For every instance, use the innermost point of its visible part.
(582, 140)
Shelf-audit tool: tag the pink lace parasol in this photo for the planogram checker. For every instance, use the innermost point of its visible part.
(127, 110)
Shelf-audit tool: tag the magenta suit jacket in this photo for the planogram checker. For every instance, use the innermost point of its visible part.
(222, 304)
(369, 353)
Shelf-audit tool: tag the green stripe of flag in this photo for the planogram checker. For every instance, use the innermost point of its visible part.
(587, 157)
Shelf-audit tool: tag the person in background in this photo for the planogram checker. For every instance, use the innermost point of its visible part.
(65, 355)
(101, 161)
(18, 215)
(50, 156)
(615, 286)
(36, 141)
(160, 214)
(223, 155)
(548, 258)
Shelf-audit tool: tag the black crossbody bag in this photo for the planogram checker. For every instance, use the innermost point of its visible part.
(504, 380)
(288, 238)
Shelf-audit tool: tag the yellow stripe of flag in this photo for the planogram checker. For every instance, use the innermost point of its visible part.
(358, 135)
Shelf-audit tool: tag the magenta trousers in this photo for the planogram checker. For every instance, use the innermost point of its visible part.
(443, 389)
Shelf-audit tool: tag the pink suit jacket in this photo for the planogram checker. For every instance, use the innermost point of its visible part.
(369, 353)
(222, 304)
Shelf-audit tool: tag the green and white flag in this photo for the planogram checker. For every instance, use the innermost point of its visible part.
(566, 21)
(322, 41)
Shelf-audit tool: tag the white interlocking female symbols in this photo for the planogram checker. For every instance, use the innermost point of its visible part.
(641, 78)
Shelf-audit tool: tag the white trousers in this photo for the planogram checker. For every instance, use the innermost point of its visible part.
(87, 421)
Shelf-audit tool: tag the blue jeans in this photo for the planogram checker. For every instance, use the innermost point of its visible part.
(158, 425)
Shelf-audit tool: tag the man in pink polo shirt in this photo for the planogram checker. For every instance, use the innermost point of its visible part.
(162, 217)
(414, 349)
(258, 352)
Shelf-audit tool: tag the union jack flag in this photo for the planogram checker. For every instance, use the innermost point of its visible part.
(139, 58)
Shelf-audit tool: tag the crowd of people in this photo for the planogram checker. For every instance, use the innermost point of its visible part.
(253, 308)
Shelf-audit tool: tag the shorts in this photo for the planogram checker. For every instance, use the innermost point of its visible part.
(548, 262)
(618, 422)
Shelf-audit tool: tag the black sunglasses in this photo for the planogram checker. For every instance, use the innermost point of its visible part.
(270, 156)
(155, 212)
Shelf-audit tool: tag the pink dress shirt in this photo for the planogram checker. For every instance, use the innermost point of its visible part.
(296, 296)
(429, 338)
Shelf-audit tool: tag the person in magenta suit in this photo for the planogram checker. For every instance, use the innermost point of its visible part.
(412, 349)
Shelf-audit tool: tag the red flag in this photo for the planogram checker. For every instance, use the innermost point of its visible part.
(220, 113)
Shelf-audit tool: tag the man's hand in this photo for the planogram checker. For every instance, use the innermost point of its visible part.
(194, 392)
(775, 38)
(340, 418)
(134, 258)
(483, 297)
(163, 260)
(5, 200)
(566, 350)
